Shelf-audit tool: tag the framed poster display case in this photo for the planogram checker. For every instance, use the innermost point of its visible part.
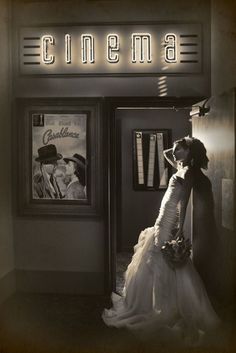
(59, 157)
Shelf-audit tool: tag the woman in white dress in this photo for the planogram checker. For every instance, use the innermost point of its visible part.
(157, 293)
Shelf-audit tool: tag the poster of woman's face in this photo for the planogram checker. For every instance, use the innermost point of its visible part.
(59, 156)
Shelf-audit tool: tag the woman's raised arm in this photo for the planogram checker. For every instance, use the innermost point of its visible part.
(169, 157)
(187, 187)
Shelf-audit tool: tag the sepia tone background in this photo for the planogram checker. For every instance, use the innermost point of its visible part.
(63, 255)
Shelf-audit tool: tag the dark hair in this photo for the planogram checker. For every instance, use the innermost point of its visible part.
(197, 149)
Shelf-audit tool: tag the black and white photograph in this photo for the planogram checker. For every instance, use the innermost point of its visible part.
(117, 182)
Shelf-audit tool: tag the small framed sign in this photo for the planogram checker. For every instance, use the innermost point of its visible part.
(59, 157)
(150, 170)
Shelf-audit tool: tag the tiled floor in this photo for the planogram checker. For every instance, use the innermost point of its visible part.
(37, 323)
(40, 323)
(56, 323)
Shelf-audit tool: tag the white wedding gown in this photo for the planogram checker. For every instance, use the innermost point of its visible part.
(155, 295)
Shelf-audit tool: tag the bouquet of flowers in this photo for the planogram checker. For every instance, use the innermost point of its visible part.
(177, 251)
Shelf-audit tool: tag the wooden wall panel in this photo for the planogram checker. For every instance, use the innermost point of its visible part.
(214, 243)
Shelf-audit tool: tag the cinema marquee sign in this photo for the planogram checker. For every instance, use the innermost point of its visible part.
(111, 49)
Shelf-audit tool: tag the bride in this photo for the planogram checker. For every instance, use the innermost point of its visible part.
(166, 291)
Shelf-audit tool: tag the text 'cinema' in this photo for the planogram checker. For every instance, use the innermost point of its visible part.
(140, 48)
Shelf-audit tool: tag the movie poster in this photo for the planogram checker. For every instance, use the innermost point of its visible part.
(59, 153)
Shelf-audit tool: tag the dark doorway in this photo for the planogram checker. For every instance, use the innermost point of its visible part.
(131, 211)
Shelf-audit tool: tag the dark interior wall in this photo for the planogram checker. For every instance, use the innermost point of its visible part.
(223, 45)
(62, 253)
(6, 234)
(216, 263)
(45, 247)
(27, 13)
(214, 232)
(139, 209)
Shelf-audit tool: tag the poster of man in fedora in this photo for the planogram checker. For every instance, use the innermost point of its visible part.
(59, 152)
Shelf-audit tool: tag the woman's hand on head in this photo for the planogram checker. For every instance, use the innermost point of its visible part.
(168, 154)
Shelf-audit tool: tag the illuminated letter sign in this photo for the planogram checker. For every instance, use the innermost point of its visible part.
(113, 47)
(87, 48)
(46, 58)
(68, 48)
(138, 47)
(170, 48)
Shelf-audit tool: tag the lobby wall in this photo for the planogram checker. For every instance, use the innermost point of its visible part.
(54, 254)
(7, 283)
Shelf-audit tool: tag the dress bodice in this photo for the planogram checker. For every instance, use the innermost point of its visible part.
(169, 212)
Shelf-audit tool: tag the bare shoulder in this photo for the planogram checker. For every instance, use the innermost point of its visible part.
(185, 175)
